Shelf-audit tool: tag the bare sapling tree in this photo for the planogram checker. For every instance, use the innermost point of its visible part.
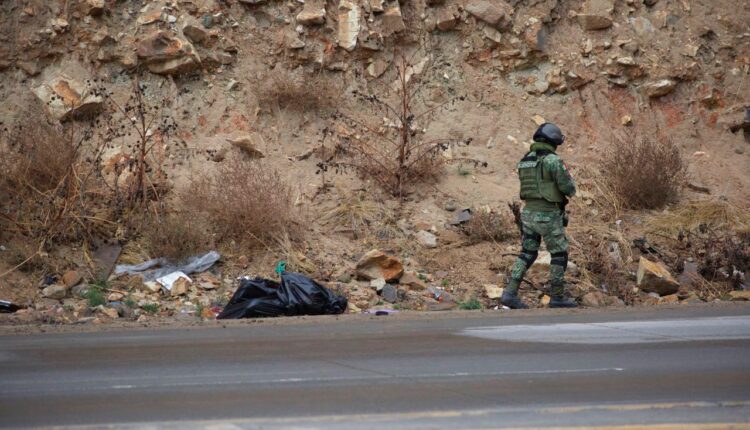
(394, 153)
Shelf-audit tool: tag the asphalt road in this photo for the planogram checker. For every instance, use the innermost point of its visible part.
(683, 368)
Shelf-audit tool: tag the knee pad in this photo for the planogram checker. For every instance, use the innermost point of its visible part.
(560, 259)
(528, 256)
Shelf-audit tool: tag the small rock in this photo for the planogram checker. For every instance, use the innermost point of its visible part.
(180, 287)
(312, 14)
(80, 291)
(492, 291)
(446, 20)
(411, 279)
(626, 120)
(655, 278)
(494, 12)
(56, 292)
(389, 293)
(377, 264)
(642, 27)
(165, 53)
(426, 239)
(377, 284)
(109, 312)
(377, 67)
(94, 7)
(392, 21)
(545, 300)
(193, 29)
(596, 15)
(151, 286)
(492, 34)
(450, 206)
(71, 278)
(462, 217)
(594, 299)
(672, 298)
(115, 297)
(660, 88)
(245, 143)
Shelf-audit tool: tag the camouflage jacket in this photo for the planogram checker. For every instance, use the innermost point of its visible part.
(558, 171)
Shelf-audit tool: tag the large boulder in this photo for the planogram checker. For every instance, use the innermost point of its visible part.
(655, 278)
(596, 14)
(494, 12)
(377, 264)
(68, 98)
(166, 53)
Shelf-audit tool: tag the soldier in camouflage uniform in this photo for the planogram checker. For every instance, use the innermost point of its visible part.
(546, 185)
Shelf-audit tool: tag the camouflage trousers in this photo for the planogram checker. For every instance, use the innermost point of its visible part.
(538, 226)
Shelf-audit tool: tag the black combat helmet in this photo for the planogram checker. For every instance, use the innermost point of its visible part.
(549, 133)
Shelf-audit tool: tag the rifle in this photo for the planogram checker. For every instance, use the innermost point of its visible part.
(566, 219)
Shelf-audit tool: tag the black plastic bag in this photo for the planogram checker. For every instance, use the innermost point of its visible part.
(296, 295)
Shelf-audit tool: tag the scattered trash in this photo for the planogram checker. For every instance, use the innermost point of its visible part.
(152, 270)
(462, 217)
(7, 307)
(167, 281)
(295, 295)
(49, 280)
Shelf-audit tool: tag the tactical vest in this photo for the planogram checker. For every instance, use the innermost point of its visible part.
(536, 181)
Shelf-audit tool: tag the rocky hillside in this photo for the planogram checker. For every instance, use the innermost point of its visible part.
(270, 80)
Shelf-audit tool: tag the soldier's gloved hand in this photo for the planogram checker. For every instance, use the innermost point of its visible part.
(565, 219)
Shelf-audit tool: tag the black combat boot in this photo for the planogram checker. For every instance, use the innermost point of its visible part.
(512, 301)
(561, 302)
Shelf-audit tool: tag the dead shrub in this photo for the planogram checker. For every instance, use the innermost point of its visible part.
(245, 201)
(48, 190)
(490, 225)
(389, 145)
(644, 173)
(283, 89)
(356, 212)
(176, 236)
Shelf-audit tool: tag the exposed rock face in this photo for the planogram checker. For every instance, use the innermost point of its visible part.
(68, 98)
(655, 278)
(348, 31)
(165, 53)
(377, 264)
(494, 12)
(596, 14)
(55, 292)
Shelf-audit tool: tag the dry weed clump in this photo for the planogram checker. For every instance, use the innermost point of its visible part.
(355, 211)
(246, 202)
(175, 236)
(48, 191)
(283, 89)
(644, 173)
(490, 225)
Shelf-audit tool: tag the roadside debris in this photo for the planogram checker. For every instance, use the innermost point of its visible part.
(8, 307)
(152, 270)
(295, 295)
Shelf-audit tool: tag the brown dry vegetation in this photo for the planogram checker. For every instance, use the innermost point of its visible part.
(644, 173)
(283, 89)
(246, 202)
(490, 225)
(175, 236)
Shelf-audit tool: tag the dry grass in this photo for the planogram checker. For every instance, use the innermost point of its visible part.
(644, 173)
(490, 225)
(355, 211)
(692, 216)
(47, 188)
(282, 89)
(175, 236)
(246, 202)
